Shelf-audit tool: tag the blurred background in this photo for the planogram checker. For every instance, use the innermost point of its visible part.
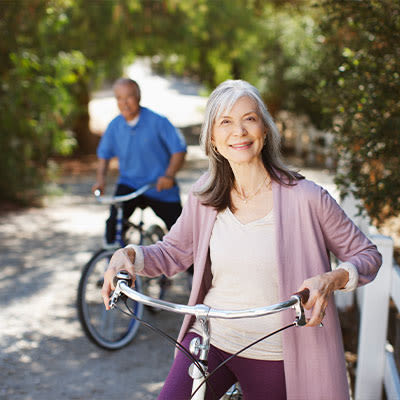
(334, 63)
(329, 72)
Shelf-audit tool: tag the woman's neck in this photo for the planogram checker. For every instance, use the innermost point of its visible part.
(249, 177)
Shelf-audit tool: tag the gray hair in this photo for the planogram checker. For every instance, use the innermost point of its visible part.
(221, 100)
(128, 82)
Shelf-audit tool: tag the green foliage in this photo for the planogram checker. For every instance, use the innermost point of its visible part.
(47, 57)
(35, 98)
(35, 123)
(337, 62)
(289, 58)
(359, 93)
(271, 44)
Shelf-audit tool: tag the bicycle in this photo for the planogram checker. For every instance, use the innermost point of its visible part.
(112, 331)
(198, 370)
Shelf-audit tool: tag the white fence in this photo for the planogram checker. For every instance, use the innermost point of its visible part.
(376, 367)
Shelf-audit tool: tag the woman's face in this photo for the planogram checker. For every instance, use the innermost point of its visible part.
(239, 134)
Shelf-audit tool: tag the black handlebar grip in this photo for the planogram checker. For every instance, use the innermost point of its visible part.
(123, 275)
(304, 295)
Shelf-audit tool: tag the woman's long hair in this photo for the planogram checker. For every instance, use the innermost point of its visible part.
(216, 190)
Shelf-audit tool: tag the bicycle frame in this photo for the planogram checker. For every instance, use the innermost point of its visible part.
(118, 202)
(112, 331)
(203, 313)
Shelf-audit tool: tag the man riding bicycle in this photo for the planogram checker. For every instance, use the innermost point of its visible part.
(149, 149)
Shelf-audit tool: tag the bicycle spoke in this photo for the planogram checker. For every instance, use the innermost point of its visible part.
(107, 329)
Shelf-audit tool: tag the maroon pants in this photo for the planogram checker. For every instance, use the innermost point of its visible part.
(259, 380)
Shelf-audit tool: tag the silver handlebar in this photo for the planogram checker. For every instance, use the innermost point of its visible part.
(198, 371)
(203, 311)
(119, 199)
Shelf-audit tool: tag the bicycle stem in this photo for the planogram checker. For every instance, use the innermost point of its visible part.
(200, 346)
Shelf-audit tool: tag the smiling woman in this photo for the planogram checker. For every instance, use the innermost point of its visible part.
(243, 144)
(239, 134)
(257, 232)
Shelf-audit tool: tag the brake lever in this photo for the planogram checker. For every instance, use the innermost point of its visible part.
(300, 315)
(122, 276)
(302, 298)
(116, 294)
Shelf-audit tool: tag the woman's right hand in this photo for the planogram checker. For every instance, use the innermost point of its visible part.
(122, 259)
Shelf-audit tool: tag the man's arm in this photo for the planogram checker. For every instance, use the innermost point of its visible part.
(175, 164)
(101, 174)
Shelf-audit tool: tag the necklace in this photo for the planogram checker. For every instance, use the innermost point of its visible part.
(244, 198)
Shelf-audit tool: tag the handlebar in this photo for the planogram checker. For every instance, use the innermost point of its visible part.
(123, 280)
(120, 199)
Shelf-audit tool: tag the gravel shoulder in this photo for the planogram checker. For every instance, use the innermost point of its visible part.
(44, 353)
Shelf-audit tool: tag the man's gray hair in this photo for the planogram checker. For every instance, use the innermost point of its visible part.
(129, 82)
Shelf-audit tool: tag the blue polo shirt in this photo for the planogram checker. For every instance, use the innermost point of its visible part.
(143, 151)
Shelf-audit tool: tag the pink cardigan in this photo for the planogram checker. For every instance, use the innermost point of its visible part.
(309, 224)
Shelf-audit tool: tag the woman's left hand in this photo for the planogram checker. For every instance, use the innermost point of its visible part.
(321, 287)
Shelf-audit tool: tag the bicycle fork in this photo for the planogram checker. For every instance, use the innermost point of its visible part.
(201, 348)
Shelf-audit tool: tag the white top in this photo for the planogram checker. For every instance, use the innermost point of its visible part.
(245, 275)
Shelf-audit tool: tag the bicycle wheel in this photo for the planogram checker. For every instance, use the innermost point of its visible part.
(152, 235)
(110, 330)
(154, 287)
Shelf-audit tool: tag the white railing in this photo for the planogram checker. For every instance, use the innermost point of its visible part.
(376, 367)
(375, 362)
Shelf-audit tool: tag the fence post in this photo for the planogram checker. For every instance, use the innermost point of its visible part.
(373, 326)
(328, 142)
(312, 144)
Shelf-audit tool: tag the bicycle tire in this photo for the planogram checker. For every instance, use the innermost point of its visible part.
(110, 330)
(154, 287)
(153, 234)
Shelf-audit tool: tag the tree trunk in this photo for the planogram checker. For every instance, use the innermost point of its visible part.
(87, 141)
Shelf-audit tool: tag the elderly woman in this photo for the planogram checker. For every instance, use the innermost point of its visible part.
(256, 232)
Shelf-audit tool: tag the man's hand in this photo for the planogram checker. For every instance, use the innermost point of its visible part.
(164, 183)
(101, 173)
(121, 259)
(99, 186)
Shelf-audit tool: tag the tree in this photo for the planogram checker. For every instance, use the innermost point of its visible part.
(269, 43)
(359, 93)
(53, 52)
(35, 100)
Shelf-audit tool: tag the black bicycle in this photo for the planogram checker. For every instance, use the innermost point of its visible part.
(113, 330)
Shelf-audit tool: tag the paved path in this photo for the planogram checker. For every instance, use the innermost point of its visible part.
(43, 351)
